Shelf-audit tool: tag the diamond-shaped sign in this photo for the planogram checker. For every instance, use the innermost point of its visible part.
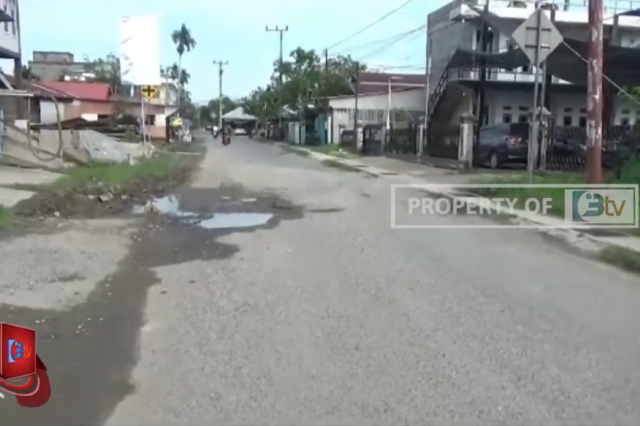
(526, 37)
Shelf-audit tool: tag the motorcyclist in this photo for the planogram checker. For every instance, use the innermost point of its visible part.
(226, 134)
(215, 130)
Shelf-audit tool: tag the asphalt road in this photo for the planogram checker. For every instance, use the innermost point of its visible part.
(326, 315)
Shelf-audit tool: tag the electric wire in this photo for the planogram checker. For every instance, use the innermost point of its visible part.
(392, 42)
(613, 83)
(379, 41)
(382, 18)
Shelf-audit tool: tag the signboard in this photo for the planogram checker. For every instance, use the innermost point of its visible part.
(140, 50)
(149, 92)
(538, 26)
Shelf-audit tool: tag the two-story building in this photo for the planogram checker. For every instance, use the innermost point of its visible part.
(456, 44)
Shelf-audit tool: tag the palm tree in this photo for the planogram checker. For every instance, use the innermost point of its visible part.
(184, 43)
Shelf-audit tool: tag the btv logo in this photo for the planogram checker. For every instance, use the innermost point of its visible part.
(17, 350)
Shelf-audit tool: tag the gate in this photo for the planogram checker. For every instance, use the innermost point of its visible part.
(372, 139)
(403, 140)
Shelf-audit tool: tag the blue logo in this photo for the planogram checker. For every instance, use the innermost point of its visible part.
(15, 350)
(586, 206)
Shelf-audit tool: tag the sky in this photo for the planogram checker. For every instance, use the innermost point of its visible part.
(233, 31)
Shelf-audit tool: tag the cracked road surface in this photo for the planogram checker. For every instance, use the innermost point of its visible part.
(323, 315)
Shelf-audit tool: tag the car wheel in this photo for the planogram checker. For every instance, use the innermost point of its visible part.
(494, 161)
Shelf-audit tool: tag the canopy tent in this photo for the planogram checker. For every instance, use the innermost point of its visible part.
(238, 114)
(566, 62)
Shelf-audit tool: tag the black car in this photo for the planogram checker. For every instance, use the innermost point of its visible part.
(504, 143)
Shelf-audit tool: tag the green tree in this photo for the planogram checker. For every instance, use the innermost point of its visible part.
(305, 77)
(184, 43)
(27, 73)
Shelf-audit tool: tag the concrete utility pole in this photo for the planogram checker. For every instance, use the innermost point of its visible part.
(281, 32)
(221, 65)
(594, 93)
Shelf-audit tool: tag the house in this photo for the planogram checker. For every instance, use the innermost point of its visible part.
(94, 101)
(54, 66)
(458, 43)
(377, 94)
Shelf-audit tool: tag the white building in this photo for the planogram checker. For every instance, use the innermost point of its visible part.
(374, 101)
(509, 92)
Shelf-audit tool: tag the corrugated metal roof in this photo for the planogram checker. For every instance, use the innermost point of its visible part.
(80, 90)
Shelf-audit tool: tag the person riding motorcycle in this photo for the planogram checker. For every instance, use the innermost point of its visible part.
(226, 135)
(215, 131)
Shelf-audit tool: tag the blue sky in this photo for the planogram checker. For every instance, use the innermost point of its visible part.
(232, 30)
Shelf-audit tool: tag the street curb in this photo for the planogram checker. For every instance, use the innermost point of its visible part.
(324, 157)
(569, 233)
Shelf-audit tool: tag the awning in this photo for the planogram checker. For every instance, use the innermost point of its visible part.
(238, 114)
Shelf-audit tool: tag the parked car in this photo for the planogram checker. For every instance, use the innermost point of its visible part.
(504, 143)
(240, 131)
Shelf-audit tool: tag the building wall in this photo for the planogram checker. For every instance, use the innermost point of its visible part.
(372, 109)
(567, 109)
(443, 38)
(9, 31)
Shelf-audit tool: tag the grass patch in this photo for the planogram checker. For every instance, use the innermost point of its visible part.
(626, 259)
(338, 165)
(291, 150)
(118, 176)
(522, 194)
(7, 219)
(333, 150)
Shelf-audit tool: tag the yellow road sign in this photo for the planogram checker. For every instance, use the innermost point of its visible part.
(149, 92)
(176, 121)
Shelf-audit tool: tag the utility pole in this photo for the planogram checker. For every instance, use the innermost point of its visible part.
(325, 107)
(281, 32)
(594, 93)
(220, 65)
(356, 82)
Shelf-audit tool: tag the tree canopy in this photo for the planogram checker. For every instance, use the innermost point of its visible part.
(305, 78)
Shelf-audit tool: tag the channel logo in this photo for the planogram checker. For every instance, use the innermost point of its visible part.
(602, 207)
(18, 351)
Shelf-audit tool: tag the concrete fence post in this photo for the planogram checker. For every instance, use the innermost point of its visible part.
(465, 145)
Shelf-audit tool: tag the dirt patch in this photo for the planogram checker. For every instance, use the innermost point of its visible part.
(98, 191)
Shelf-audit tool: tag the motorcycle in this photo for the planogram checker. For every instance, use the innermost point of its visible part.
(226, 139)
(215, 134)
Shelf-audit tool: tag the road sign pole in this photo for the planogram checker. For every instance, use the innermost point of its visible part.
(143, 121)
(537, 37)
(535, 133)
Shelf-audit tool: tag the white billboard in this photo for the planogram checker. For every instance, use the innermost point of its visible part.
(140, 50)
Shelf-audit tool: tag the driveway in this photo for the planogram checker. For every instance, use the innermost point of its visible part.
(326, 315)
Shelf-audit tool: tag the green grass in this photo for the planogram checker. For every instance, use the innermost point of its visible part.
(117, 175)
(340, 166)
(333, 150)
(556, 194)
(7, 219)
(623, 258)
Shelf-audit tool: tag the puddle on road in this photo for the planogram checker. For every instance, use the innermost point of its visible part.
(170, 206)
(235, 220)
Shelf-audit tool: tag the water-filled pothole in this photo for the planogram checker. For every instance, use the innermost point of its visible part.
(170, 206)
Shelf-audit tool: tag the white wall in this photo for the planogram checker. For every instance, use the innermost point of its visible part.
(9, 30)
(48, 112)
(89, 117)
(566, 108)
(411, 100)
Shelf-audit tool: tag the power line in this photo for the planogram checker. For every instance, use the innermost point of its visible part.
(391, 43)
(386, 39)
(388, 14)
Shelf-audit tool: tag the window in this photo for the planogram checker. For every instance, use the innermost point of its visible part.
(624, 121)
(582, 122)
(150, 120)
(583, 110)
(507, 118)
(523, 118)
(6, 24)
(567, 120)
